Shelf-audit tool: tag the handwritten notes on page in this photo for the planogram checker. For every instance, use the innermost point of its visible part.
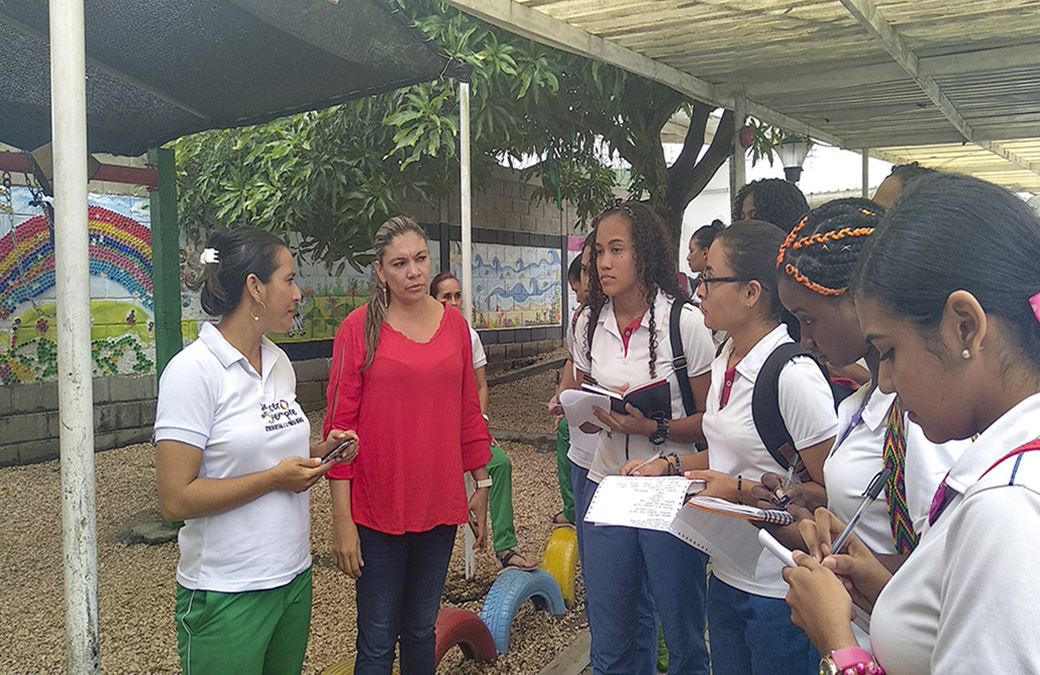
(645, 502)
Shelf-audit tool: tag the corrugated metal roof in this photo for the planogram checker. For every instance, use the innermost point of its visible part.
(913, 79)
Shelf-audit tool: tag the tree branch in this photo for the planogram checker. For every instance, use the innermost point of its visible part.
(718, 152)
(694, 140)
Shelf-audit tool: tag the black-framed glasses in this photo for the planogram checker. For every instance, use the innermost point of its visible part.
(706, 282)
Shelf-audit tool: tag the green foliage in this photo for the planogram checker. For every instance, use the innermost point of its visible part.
(334, 175)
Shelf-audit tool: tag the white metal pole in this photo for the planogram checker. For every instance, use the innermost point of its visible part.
(467, 262)
(72, 286)
(866, 173)
(737, 166)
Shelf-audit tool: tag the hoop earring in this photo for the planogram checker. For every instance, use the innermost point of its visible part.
(253, 314)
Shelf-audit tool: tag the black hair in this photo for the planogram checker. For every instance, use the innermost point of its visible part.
(910, 173)
(951, 232)
(439, 279)
(574, 271)
(704, 236)
(751, 248)
(777, 201)
(656, 268)
(822, 250)
(239, 253)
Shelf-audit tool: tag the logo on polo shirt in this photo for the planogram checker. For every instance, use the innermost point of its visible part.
(280, 415)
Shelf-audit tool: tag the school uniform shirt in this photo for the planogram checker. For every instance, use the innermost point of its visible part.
(735, 448)
(858, 456)
(582, 449)
(966, 599)
(211, 398)
(417, 413)
(479, 356)
(613, 367)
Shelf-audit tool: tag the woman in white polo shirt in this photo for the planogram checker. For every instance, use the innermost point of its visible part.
(750, 628)
(622, 340)
(816, 263)
(234, 462)
(948, 292)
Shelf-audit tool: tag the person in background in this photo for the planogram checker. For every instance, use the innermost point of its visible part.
(445, 287)
(402, 377)
(948, 293)
(625, 341)
(234, 462)
(816, 264)
(700, 242)
(773, 200)
(900, 178)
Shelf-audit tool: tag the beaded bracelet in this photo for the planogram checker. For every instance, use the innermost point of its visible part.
(678, 464)
(740, 493)
(851, 661)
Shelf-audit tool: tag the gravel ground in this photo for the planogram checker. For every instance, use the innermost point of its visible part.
(136, 584)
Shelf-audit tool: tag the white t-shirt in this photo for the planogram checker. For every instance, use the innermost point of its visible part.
(735, 448)
(479, 357)
(613, 368)
(966, 599)
(859, 455)
(582, 446)
(210, 397)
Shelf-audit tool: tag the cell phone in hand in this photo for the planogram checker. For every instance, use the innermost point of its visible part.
(337, 451)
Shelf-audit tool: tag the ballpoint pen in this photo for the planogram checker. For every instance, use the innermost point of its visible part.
(780, 499)
(869, 495)
(646, 463)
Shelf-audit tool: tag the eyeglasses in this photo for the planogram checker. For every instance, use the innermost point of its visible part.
(705, 282)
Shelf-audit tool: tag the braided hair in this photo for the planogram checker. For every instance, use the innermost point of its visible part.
(777, 201)
(656, 268)
(822, 250)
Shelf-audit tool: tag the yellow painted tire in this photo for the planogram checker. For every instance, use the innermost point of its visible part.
(561, 560)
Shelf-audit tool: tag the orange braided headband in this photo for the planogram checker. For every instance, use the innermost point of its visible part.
(795, 244)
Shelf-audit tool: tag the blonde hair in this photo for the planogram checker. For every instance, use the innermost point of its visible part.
(375, 315)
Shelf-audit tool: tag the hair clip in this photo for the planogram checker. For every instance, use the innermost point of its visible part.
(209, 256)
(1034, 302)
(615, 205)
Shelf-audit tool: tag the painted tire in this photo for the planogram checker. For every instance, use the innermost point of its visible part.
(561, 560)
(465, 629)
(508, 594)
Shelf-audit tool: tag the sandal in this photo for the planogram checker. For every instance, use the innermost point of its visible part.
(510, 559)
(560, 520)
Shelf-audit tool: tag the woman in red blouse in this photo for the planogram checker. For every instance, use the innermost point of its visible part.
(402, 377)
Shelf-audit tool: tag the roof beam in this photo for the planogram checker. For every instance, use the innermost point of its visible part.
(540, 27)
(867, 14)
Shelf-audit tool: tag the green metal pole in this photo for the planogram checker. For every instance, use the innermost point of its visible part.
(166, 269)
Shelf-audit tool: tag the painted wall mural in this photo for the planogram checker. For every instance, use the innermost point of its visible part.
(122, 329)
(513, 286)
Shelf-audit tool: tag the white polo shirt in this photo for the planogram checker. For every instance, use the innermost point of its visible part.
(857, 457)
(613, 368)
(582, 446)
(479, 357)
(210, 397)
(735, 448)
(967, 600)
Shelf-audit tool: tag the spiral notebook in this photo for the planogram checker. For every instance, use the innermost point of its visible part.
(743, 511)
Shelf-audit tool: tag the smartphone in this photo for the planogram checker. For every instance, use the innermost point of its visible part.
(337, 451)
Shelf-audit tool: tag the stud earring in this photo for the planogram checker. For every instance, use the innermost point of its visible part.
(966, 354)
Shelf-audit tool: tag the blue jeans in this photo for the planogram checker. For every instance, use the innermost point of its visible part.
(398, 596)
(753, 635)
(579, 479)
(628, 574)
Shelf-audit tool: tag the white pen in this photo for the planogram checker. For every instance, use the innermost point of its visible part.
(776, 548)
(646, 463)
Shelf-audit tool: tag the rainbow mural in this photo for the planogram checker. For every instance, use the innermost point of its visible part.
(120, 249)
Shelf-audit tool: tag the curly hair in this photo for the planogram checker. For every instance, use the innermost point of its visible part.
(822, 250)
(777, 201)
(656, 268)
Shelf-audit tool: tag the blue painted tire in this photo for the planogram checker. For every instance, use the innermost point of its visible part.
(509, 593)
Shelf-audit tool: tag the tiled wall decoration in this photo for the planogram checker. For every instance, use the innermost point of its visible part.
(513, 286)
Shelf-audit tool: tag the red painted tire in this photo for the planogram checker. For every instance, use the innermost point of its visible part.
(465, 629)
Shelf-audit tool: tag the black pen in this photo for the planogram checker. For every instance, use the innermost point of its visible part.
(869, 495)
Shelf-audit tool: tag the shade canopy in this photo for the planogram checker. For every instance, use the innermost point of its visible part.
(159, 69)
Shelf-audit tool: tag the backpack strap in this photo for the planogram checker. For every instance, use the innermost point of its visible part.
(679, 359)
(765, 407)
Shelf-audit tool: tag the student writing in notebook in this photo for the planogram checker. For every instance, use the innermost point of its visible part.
(750, 626)
(622, 340)
(948, 292)
(816, 263)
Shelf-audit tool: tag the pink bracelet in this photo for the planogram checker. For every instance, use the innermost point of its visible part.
(856, 661)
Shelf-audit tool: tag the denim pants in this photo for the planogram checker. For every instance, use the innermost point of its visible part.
(398, 596)
(630, 573)
(753, 635)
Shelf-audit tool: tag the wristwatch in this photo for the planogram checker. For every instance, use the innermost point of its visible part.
(661, 435)
(484, 484)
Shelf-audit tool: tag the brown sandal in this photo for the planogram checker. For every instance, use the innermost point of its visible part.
(506, 560)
